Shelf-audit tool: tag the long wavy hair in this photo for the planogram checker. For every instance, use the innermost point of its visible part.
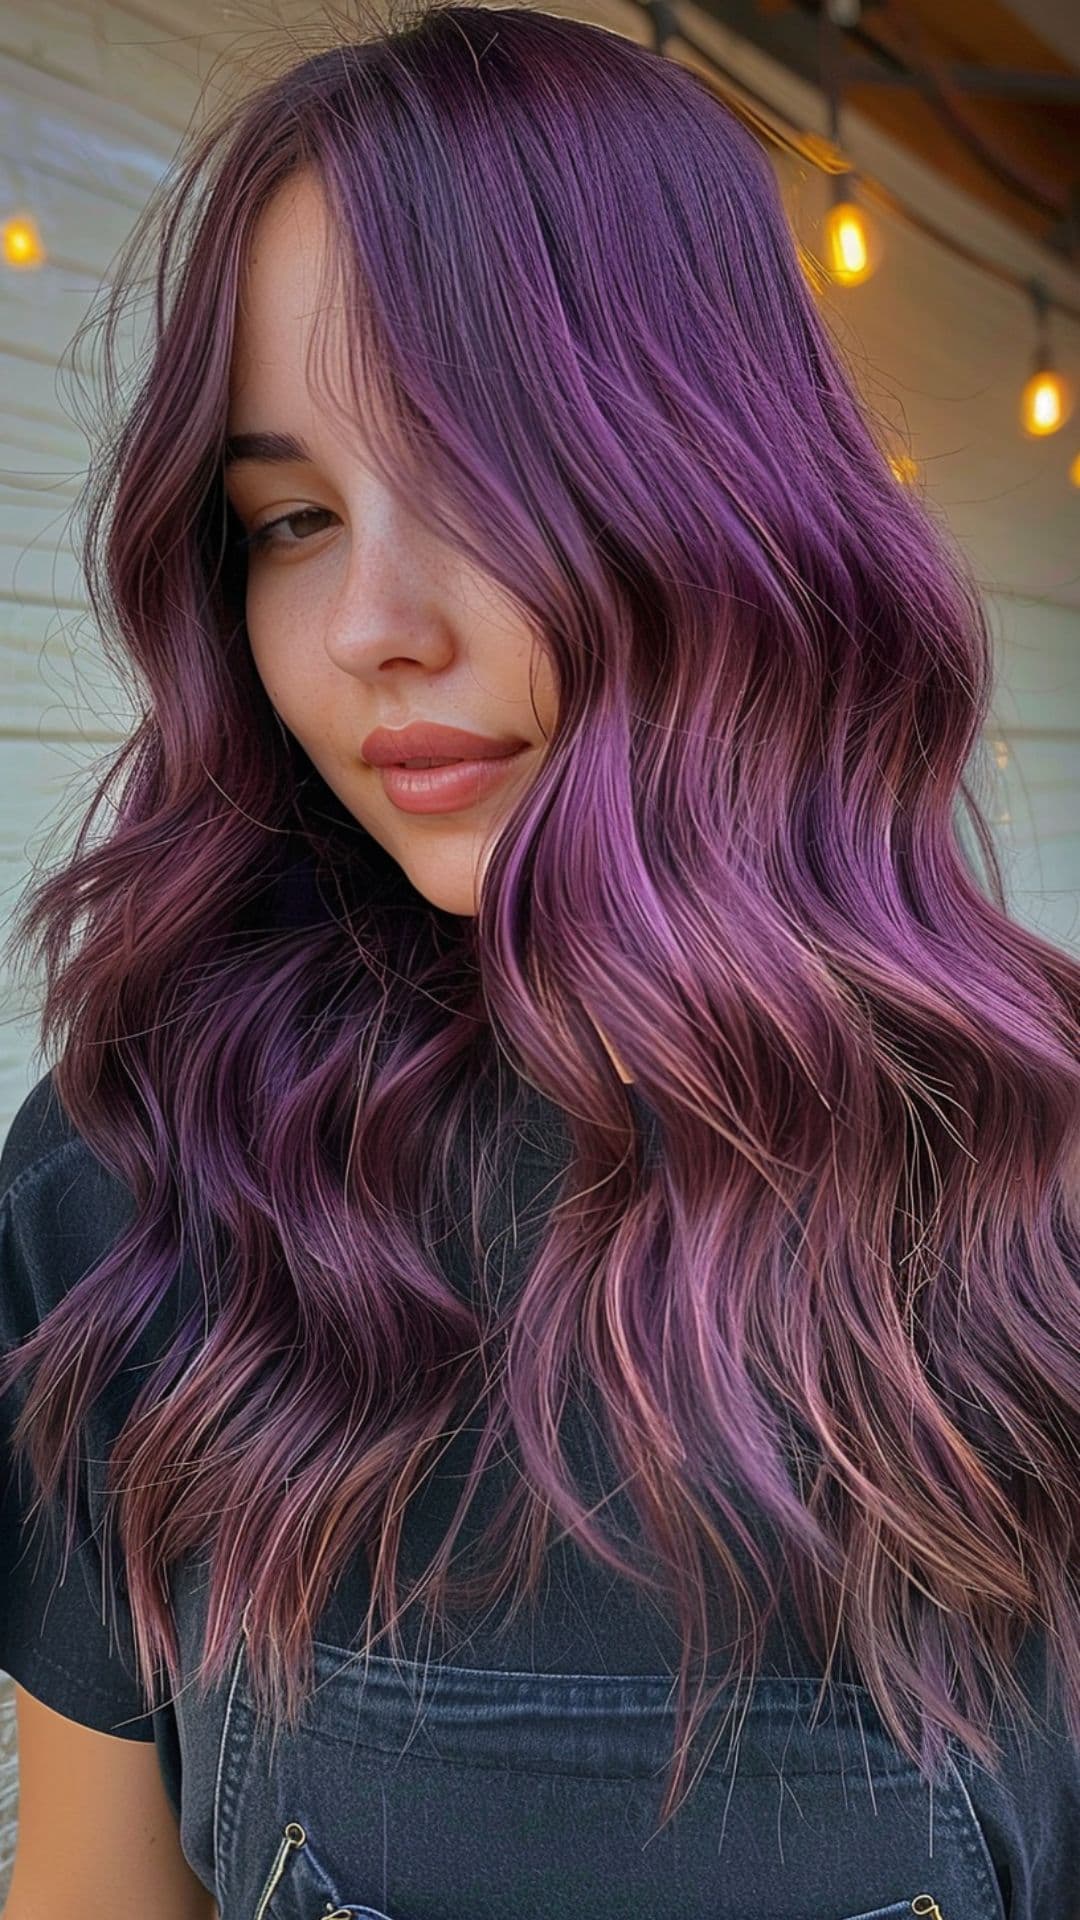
(842, 1294)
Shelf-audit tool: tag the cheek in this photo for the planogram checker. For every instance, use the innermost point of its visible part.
(545, 693)
(274, 679)
(283, 656)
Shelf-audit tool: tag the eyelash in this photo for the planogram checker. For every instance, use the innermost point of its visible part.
(260, 538)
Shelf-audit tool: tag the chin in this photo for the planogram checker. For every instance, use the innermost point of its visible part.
(449, 899)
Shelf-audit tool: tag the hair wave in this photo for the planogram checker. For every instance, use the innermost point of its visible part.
(844, 1292)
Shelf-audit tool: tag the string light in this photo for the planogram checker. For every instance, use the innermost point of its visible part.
(1047, 399)
(852, 246)
(850, 254)
(21, 241)
(851, 249)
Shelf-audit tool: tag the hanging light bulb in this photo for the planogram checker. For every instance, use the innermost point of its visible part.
(1045, 404)
(21, 241)
(1046, 401)
(1074, 470)
(851, 243)
(847, 242)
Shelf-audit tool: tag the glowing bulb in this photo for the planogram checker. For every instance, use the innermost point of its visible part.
(1045, 403)
(847, 243)
(22, 241)
(905, 468)
(1074, 470)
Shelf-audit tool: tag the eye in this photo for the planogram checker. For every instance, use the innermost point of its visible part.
(266, 536)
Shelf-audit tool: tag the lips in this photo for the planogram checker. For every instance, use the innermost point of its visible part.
(447, 789)
(427, 740)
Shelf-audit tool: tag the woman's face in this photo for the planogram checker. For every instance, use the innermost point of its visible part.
(357, 616)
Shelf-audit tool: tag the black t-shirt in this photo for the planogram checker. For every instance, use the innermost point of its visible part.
(60, 1211)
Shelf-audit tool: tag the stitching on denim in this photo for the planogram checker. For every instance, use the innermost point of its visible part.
(383, 1661)
(350, 1659)
(977, 1839)
(904, 1774)
(225, 1727)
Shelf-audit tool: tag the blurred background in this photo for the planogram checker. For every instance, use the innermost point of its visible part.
(929, 157)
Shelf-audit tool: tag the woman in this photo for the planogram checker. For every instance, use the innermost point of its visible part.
(636, 1165)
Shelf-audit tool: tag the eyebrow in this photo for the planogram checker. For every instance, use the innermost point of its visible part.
(277, 448)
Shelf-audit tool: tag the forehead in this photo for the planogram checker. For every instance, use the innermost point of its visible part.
(284, 294)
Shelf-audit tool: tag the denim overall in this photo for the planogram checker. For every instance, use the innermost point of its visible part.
(551, 1784)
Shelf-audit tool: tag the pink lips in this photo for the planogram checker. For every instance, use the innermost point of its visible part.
(478, 763)
(425, 739)
(446, 789)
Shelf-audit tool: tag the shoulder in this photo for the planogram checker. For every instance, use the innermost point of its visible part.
(42, 1145)
(39, 1130)
(60, 1209)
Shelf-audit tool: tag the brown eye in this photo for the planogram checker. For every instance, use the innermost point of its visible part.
(264, 536)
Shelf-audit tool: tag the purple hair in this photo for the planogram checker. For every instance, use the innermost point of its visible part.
(844, 1292)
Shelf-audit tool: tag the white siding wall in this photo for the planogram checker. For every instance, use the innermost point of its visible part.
(93, 99)
(1037, 743)
(88, 121)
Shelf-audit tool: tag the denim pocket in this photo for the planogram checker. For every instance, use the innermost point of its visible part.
(298, 1887)
(526, 1796)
